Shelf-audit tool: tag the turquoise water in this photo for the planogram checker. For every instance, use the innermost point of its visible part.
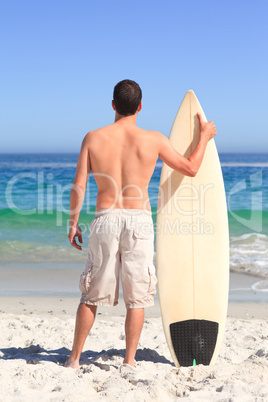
(34, 202)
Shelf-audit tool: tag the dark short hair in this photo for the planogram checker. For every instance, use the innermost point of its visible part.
(127, 97)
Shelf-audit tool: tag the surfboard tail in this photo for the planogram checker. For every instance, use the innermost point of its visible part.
(194, 341)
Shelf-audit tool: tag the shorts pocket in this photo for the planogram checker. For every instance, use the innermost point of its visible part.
(152, 280)
(85, 280)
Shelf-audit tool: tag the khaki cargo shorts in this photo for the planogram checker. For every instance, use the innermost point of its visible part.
(120, 238)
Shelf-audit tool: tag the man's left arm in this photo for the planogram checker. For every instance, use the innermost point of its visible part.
(78, 193)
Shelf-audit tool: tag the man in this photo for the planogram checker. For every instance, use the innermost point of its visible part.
(122, 158)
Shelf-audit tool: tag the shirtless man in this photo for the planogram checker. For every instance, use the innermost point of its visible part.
(122, 158)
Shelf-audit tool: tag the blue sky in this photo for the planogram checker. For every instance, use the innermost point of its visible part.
(60, 60)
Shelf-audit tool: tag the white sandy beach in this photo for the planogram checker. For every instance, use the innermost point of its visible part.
(36, 338)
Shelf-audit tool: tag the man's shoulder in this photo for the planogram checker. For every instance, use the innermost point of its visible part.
(154, 133)
(91, 135)
(94, 136)
(157, 135)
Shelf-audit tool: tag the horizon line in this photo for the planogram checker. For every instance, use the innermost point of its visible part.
(77, 152)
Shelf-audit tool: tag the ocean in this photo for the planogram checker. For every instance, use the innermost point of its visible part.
(36, 257)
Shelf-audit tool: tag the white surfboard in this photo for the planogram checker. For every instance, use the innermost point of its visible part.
(192, 247)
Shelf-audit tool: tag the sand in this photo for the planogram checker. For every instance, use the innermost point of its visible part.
(37, 334)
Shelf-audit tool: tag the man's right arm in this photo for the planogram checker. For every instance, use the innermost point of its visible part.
(187, 166)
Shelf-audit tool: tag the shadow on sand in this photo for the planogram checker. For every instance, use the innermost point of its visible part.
(35, 354)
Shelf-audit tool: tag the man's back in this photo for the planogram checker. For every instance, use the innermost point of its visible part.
(122, 158)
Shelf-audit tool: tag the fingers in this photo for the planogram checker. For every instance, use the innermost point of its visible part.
(74, 244)
(72, 239)
(200, 118)
(213, 127)
(207, 128)
(201, 121)
(80, 237)
(213, 130)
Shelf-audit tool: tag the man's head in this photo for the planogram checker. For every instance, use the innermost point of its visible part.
(127, 97)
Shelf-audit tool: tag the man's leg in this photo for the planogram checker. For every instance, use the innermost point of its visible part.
(84, 320)
(133, 327)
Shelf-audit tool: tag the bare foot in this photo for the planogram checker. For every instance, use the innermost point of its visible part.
(74, 364)
(126, 368)
(129, 363)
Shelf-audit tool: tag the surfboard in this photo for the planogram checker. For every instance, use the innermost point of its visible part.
(192, 243)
